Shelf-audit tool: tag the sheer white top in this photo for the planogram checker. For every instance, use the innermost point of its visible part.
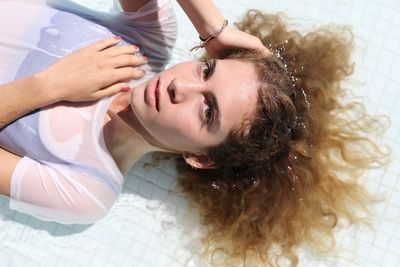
(66, 173)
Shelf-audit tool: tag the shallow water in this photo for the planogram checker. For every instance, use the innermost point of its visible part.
(146, 228)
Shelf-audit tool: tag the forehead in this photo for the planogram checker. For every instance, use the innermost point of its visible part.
(235, 84)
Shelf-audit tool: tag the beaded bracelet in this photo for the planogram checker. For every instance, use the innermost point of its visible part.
(209, 38)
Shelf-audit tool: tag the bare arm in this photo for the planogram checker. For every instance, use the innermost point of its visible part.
(8, 161)
(88, 74)
(20, 97)
(204, 15)
(207, 20)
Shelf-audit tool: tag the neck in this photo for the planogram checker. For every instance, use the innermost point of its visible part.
(122, 139)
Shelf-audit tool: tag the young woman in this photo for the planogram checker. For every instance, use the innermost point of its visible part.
(270, 162)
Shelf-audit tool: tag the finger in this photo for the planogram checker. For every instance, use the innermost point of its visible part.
(129, 73)
(111, 90)
(266, 52)
(105, 43)
(121, 75)
(127, 61)
(120, 50)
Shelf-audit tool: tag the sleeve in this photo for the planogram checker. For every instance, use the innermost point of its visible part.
(153, 27)
(57, 193)
(154, 10)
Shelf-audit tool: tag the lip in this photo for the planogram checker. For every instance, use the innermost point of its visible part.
(152, 93)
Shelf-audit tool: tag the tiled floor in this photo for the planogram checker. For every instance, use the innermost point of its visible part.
(145, 228)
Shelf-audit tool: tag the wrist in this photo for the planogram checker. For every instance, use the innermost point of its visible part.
(211, 27)
(41, 86)
(214, 35)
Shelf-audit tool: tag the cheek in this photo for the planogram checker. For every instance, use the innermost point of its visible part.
(178, 125)
(176, 121)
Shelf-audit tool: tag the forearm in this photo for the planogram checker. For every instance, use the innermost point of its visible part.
(132, 5)
(20, 97)
(204, 15)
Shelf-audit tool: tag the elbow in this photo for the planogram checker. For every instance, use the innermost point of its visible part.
(89, 216)
(91, 212)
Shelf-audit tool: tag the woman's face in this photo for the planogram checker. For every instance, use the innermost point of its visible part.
(194, 105)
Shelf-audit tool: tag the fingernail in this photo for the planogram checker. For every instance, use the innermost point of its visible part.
(118, 37)
(125, 87)
(135, 47)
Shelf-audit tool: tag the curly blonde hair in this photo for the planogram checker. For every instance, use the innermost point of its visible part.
(294, 172)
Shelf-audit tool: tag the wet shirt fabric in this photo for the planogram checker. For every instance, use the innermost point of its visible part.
(66, 173)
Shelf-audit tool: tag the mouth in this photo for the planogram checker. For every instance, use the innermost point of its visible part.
(153, 93)
(157, 95)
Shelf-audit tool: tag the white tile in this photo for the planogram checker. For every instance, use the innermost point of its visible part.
(381, 240)
(166, 181)
(140, 169)
(373, 9)
(95, 262)
(83, 258)
(21, 217)
(386, 13)
(390, 259)
(392, 212)
(17, 261)
(124, 243)
(395, 166)
(109, 237)
(393, 29)
(389, 179)
(393, 132)
(146, 189)
(377, 26)
(397, 232)
(137, 249)
(392, 3)
(382, 25)
(133, 182)
(386, 227)
(116, 257)
(398, 190)
(64, 263)
(377, 254)
(395, 198)
(102, 250)
(370, 263)
(391, 44)
(160, 194)
(392, 87)
(394, 246)
(153, 175)
(151, 255)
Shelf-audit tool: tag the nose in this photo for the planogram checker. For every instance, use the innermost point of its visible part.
(181, 90)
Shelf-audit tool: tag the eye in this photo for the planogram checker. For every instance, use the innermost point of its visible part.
(208, 113)
(208, 68)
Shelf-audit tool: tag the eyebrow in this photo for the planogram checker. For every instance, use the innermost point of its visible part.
(214, 101)
(216, 124)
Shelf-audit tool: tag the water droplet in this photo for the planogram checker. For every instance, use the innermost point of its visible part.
(214, 185)
(52, 31)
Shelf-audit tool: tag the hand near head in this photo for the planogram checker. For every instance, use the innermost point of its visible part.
(99, 70)
(232, 38)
